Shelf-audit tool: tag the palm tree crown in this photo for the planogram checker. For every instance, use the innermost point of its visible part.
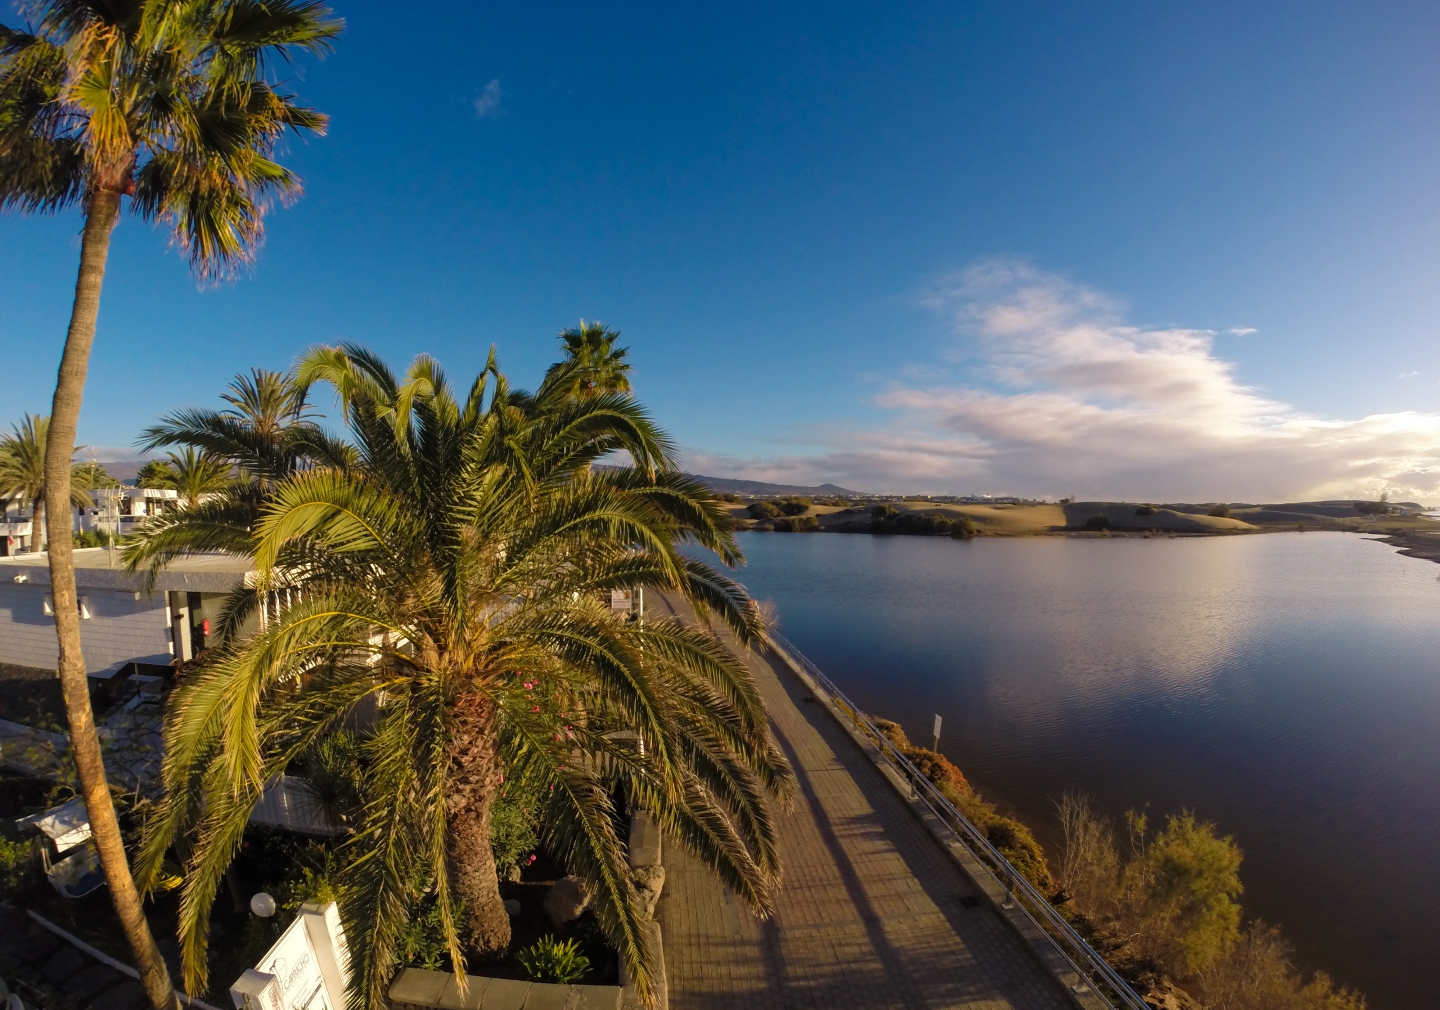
(458, 572)
(22, 466)
(593, 365)
(264, 437)
(166, 102)
(197, 475)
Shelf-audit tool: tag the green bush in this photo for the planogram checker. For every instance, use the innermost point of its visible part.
(1145, 510)
(551, 960)
(794, 506)
(799, 524)
(421, 940)
(1220, 511)
(1192, 877)
(918, 524)
(762, 510)
(514, 820)
(881, 513)
(19, 864)
(1097, 523)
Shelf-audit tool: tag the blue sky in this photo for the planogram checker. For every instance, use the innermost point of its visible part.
(948, 247)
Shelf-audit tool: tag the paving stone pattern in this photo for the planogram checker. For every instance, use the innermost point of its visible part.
(870, 911)
(51, 974)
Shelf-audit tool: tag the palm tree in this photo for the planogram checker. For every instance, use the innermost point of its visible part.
(268, 431)
(22, 472)
(157, 474)
(168, 102)
(198, 475)
(459, 574)
(593, 365)
(92, 476)
(267, 435)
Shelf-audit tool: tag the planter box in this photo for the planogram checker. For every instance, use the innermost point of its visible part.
(418, 989)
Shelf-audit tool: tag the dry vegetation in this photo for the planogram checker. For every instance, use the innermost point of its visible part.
(1164, 906)
(1012, 838)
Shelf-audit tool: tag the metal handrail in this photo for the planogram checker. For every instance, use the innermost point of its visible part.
(1070, 944)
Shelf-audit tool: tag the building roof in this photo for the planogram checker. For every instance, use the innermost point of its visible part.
(194, 573)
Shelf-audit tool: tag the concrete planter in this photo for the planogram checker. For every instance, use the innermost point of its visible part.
(419, 989)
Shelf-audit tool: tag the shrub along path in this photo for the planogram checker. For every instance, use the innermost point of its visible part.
(870, 912)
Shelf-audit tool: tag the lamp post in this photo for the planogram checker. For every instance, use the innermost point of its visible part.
(264, 906)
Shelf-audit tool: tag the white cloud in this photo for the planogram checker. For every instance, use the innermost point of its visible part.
(1241, 331)
(1072, 399)
(1408, 375)
(487, 105)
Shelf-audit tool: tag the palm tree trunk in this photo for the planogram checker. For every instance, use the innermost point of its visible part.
(100, 216)
(475, 780)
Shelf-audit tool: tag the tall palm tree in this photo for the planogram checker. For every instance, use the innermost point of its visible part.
(593, 365)
(459, 573)
(169, 102)
(22, 472)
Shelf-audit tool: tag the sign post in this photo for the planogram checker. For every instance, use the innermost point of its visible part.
(936, 748)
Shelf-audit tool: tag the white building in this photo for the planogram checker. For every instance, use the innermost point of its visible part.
(116, 510)
(121, 622)
(119, 509)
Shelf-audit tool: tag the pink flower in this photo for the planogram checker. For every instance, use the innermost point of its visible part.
(530, 860)
(535, 709)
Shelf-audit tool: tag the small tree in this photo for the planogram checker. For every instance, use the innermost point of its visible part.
(156, 474)
(762, 510)
(92, 476)
(1220, 511)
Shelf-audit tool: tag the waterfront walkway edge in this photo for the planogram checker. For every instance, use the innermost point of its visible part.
(1055, 943)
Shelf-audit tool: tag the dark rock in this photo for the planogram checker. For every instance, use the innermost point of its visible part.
(649, 882)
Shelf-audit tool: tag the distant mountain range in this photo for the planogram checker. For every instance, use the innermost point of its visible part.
(760, 487)
(124, 470)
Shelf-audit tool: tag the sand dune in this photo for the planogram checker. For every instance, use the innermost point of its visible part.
(1015, 520)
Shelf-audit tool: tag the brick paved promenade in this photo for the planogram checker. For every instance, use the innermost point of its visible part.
(869, 914)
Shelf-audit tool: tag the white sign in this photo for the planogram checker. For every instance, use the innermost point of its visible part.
(937, 728)
(306, 969)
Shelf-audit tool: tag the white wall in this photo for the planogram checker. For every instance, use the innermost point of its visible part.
(120, 630)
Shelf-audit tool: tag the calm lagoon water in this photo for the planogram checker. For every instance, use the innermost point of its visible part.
(1285, 686)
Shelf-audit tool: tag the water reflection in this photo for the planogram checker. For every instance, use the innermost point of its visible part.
(1283, 685)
